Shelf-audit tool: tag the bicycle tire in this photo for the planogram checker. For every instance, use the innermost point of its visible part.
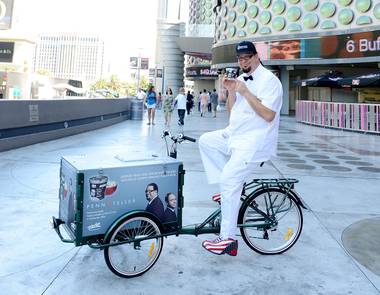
(261, 234)
(124, 260)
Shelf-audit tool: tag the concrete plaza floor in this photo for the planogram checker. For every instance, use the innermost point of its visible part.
(337, 253)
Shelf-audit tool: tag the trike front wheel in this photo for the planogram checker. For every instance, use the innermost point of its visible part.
(270, 221)
(136, 257)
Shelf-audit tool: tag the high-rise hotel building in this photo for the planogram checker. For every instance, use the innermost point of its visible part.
(70, 56)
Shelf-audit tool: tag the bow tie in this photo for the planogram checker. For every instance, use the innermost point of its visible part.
(248, 78)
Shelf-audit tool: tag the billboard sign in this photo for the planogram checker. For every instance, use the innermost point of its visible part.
(133, 62)
(354, 45)
(144, 63)
(201, 72)
(6, 51)
(364, 44)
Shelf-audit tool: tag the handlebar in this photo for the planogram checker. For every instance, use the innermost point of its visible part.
(184, 137)
(176, 140)
(179, 138)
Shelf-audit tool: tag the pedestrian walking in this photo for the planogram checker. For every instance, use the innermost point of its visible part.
(151, 101)
(204, 100)
(189, 102)
(209, 102)
(159, 101)
(180, 101)
(199, 101)
(140, 94)
(214, 102)
(168, 107)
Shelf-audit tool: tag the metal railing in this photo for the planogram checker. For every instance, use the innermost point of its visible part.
(349, 116)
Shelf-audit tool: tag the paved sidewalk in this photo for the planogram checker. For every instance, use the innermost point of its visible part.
(337, 253)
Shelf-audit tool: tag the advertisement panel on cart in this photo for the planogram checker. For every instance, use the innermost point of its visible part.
(67, 194)
(110, 193)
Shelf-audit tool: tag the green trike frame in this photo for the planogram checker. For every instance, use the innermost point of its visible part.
(270, 222)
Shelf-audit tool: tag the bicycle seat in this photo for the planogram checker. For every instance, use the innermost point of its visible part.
(259, 163)
(216, 198)
(275, 180)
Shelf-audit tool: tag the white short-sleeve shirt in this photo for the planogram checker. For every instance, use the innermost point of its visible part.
(247, 130)
(181, 101)
(140, 95)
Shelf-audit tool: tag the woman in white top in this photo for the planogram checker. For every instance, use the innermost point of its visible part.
(204, 101)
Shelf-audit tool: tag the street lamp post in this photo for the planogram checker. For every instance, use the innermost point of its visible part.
(163, 79)
(138, 69)
(138, 72)
(155, 76)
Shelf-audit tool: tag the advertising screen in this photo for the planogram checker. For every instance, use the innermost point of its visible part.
(201, 72)
(133, 62)
(144, 63)
(289, 49)
(6, 51)
(365, 44)
(354, 45)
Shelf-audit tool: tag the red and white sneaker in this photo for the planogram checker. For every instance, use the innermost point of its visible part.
(220, 246)
(216, 198)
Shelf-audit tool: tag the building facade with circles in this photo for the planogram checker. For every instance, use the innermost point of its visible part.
(299, 39)
(197, 44)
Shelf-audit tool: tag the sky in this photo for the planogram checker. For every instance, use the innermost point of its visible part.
(127, 26)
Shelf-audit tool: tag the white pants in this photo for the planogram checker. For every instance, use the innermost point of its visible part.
(230, 170)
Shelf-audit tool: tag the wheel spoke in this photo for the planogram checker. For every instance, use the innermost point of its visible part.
(134, 258)
(274, 219)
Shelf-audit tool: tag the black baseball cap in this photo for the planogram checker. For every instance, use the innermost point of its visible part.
(245, 47)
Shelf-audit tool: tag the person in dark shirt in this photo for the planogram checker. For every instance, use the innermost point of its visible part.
(214, 101)
(171, 203)
(170, 216)
(189, 102)
(155, 205)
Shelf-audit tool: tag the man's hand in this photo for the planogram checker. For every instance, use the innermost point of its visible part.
(235, 85)
(229, 84)
(241, 87)
(255, 103)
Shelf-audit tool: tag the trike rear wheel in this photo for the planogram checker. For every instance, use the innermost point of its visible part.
(270, 221)
(136, 257)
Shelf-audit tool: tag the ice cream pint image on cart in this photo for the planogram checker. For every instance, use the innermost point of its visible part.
(100, 187)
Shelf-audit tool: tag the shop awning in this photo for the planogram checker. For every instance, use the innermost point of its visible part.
(363, 80)
(64, 86)
(329, 79)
